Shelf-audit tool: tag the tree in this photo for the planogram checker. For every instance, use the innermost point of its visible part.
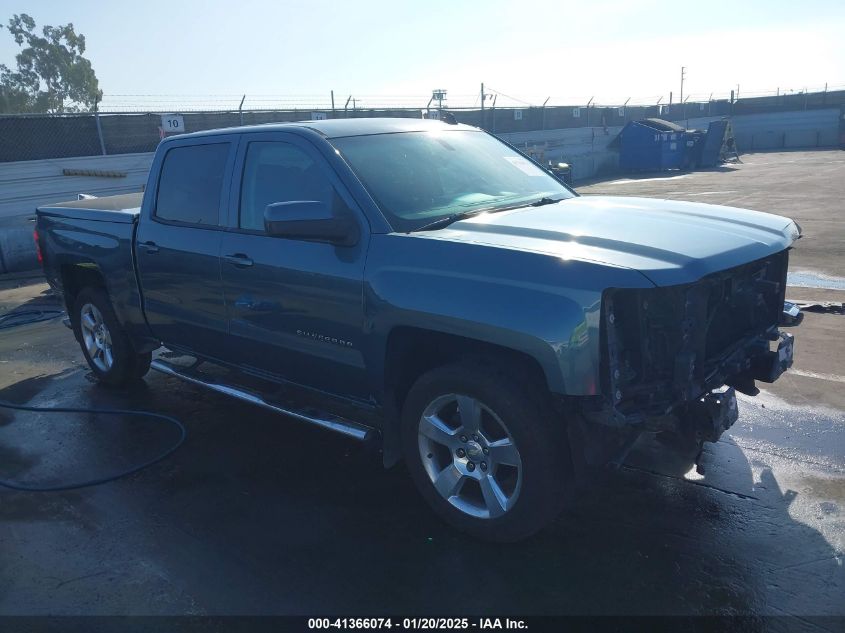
(51, 75)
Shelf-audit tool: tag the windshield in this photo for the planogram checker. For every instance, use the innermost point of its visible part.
(417, 178)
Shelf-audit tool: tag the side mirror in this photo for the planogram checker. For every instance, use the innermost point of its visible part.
(309, 220)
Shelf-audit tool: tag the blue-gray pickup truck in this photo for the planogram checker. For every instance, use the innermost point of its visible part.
(427, 286)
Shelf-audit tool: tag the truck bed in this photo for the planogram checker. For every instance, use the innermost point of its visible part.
(123, 208)
(91, 241)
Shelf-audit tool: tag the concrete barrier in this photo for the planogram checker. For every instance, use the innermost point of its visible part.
(17, 246)
(586, 149)
(26, 185)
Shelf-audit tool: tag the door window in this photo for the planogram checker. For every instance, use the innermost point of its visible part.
(279, 172)
(191, 184)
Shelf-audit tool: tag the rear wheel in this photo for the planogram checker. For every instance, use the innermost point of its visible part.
(485, 451)
(104, 342)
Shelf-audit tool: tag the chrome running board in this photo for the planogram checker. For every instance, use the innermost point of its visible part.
(327, 421)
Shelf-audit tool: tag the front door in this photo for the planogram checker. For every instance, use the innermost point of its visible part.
(295, 308)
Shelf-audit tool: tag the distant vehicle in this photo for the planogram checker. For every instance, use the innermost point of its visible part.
(426, 284)
(561, 171)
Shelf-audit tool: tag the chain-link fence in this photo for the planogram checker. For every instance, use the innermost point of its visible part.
(33, 137)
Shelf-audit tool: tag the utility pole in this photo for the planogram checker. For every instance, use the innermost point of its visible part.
(544, 112)
(683, 75)
(332, 103)
(99, 127)
(438, 95)
(482, 105)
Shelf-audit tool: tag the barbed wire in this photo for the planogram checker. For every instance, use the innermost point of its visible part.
(151, 102)
(135, 124)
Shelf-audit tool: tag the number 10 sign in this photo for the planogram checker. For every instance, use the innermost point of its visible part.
(172, 123)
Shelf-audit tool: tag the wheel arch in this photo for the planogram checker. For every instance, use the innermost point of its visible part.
(412, 351)
(76, 276)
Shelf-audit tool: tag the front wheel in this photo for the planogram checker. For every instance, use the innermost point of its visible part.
(485, 451)
(104, 343)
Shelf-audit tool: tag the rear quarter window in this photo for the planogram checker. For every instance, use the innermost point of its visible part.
(191, 184)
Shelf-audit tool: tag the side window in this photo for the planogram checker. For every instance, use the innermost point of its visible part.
(279, 172)
(191, 183)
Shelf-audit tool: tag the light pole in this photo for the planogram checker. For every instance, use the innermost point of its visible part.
(438, 95)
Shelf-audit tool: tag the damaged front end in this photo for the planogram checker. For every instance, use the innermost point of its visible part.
(672, 357)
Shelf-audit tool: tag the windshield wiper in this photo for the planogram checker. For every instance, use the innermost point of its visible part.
(455, 217)
(447, 220)
(545, 200)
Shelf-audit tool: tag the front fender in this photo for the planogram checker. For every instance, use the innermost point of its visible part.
(543, 306)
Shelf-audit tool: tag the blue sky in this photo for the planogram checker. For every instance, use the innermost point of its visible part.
(190, 50)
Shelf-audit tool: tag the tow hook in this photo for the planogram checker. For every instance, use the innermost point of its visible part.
(769, 366)
(714, 413)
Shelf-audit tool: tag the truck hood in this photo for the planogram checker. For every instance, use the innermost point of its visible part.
(670, 242)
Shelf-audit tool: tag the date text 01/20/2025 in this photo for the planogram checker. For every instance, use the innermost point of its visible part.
(417, 623)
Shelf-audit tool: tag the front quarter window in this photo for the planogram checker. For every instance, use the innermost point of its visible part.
(418, 177)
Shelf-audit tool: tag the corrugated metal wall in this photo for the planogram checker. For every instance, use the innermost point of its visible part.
(781, 130)
(787, 130)
(28, 184)
(585, 149)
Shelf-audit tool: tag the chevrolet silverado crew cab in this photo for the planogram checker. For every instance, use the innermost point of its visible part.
(425, 285)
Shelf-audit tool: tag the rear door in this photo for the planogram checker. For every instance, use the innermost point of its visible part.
(295, 307)
(178, 245)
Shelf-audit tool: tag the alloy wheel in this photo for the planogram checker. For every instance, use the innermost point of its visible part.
(470, 456)
(96, 336)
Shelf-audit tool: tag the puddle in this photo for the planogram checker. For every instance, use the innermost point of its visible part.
(799, 433)
(809, 279)
(625, 181)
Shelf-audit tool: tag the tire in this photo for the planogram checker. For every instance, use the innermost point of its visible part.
(523, 451)
(104, 342)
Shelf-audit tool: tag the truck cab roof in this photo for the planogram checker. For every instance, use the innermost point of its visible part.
(338, 128)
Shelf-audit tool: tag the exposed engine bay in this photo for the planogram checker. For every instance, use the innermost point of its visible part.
(673, 357)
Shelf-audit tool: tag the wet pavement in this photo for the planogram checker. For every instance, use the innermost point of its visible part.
(815, 280)
(258, 514)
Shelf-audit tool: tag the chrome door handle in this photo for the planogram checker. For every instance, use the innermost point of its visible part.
(238, 259)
